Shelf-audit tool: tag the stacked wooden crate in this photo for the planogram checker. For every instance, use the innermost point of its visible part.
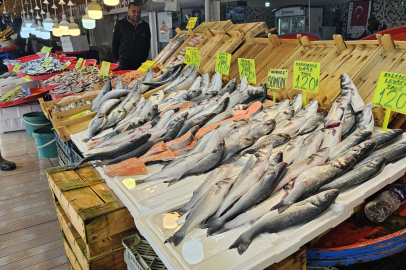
(93, 220)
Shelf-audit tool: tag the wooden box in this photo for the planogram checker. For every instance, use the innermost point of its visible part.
(91, 206)
(96, 253)
(296, 261)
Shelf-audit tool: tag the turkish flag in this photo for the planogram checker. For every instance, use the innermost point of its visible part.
(360, 13)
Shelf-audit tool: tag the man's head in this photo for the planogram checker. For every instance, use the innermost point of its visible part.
(372, 22)
(134, 12)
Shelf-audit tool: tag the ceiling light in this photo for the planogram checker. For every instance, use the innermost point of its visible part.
(94, 10)
(111, 2)
(55, 29)
(64, 26)
(267, 4)
(48, 22)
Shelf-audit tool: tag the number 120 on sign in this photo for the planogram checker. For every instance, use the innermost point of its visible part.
(390, 92)
(306, 76)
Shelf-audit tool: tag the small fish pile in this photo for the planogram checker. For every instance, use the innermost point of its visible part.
(11, 82)
(72, 105)
(35, 68)
(170, 49)
(7, 76)
(20, 93)
(180, 58)
(128, 77)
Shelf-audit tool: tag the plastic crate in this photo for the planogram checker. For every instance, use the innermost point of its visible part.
(67, 151)
(139, 255)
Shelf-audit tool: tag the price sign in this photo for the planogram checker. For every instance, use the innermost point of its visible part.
(276, 80)
(16, 68)
(80, 114)
(390, 93)
(223, 63)
(79, 63)
(83, 66)
(191, 23)
(247, 68)
(105, 68)
(46, 49)
(192, 56)
(27, 78)
(146, 65)
(306, 77)
(46, 63)
(66, 65)
(10, 94)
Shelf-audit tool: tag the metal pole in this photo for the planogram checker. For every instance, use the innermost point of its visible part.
(309, 16)
(154, 34)
(207, 10)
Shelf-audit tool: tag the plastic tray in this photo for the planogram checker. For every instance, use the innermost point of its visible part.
(28, 58)
(11, 67)
(113, 66)
(36, 93)
(44, 77)
(21, 75)
(54, 96)
(50, 87)
(89, 62)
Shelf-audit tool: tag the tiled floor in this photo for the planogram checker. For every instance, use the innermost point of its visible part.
(29, 228)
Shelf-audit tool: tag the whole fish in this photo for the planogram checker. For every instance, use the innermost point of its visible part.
(196, 84)
(215, 176)
(264, 142)
(357, 176)
(272, 222)
(297, 102)
(107, 105)
(291, 127)
(390, 153)
(310, 109)
(368, 146)
(114, 118)
(310, 145)
(172, 131)
(252, 215)
(332, 135)
(308, 182)
(351, 141)
(202, 210)
(235, 146)
(365, 118)
(94, 126)
(115, 94)
(348, 87)
(338, 108)
(123, 149)
(303, 165)
(264, 128)
(182, 83)
(284, 114)
(244, 181)
(119, 83)
(388, 137)
(157, 97)
(220, 117)
(228, 88)
(257, 194)
(204, 165)
(168, 76)
(200, 121)
(312, 123)
(292, 149)
(106, 88)
(349, 123)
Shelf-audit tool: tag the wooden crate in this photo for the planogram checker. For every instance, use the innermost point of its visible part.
(71, 126)
(390, 56)
(216, 25)
(87, 255)
(296, 261)
(114, 261)
(92, 207)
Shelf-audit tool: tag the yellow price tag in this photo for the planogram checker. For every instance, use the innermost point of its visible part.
(191, 23)
(192, 56)
(27, 78)
(223, 63)
(246, 68)
(105, 68)
(306, 76)
(80, 114)
(46, 49)
(146, 65)
(83, 66)
(79, 63)
(16, 68)
(11, 93)
(276, 80)
(66, 65)
(46, 63)
(390, 93)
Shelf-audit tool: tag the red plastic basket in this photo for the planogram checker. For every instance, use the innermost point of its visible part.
(44, 77)
(54, 96)
(51, 87)
(113, 67)
(21, 75)
(36, 93)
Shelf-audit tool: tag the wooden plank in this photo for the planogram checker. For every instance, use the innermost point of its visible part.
(25, 210)
(29, 230)
(293, 262)
(33, 236)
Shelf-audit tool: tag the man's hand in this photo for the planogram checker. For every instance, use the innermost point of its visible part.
(118, 63)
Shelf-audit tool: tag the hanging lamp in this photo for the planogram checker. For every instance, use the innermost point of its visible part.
(74, 29)
(33, 25)
(94, 10)
(56, 31)
(48, 22)
(28, 21)
(111, 2)
(86, 21)
(64, 25)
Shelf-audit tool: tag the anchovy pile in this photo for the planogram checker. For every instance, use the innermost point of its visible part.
(296, 159)
(34, 67)
(7, 76)
(16, 95)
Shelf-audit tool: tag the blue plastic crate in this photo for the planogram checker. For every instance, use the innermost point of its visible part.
(68, 149)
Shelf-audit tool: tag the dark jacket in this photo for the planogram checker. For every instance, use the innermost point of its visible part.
(131, 42)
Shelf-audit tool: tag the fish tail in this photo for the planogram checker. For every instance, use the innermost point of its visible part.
(180, 211)
(139, 182)
(241, 244)
(214, 226)
(171, 182)
(176, 239)
(281, 206)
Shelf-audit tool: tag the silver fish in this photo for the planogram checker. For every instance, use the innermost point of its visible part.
(119, 83)
(228, 88)
(348, 87)
(107, 105)
(351, 141)
(94, 126)
(390, 153)
(203, 210)
(349, 122)
(311, 145)
(264, 128)
(106, 88)
(332, 135)
(273, 222)
(297, 102)
(312, 123)
(292, 149)
(234, 146)
(115, 117)
(310, 109)
(264, 142)
(388, 137)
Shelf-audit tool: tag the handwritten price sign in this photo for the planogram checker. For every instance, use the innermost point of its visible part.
(192, 56)
(47, 62)
(223, 63)
(105, 68)
(46, 49)
(66, 65)
(146, 65)
(79, 63)
(246, 68)
(306, 76)
(276, 80)
(16, 68)
(390, 93)
(191, 23)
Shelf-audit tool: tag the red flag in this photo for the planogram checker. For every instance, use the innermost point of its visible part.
(360, 14)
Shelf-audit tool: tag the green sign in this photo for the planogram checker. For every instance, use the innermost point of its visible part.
(16, 68)
(46, 49)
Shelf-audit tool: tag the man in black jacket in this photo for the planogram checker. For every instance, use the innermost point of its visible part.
(131, 39)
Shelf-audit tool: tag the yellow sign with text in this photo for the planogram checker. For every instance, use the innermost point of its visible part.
(306, 76)
(192, 56)
(277, 78)
(223, 63)
(65, 65)
(246, 68)
(46, 49)
(191, 23)
(79, 63)
(146, 65)
(80, 114)
(83, 66)
(47, 62)
(11, 93)
(105, 68)
(16, 68)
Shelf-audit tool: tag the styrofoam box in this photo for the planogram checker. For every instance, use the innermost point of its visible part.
(11, 118)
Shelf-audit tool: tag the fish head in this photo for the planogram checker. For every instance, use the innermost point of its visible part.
(284, 137)
(365, 135)
(325, 198)
(270, 122)
(332, 124)
(248, 140)
(343, 162)
(276, 158)
(365, 147)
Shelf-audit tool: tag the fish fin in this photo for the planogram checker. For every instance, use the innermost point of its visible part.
(138, 182)
(241, 244)
(171, 182)
(284, 208)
